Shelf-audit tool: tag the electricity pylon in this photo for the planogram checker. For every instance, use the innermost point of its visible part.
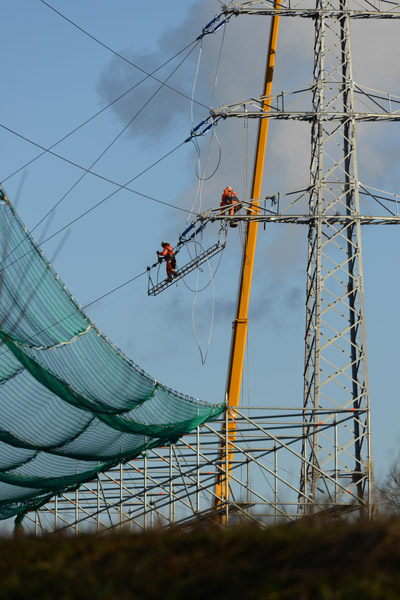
(336, 465)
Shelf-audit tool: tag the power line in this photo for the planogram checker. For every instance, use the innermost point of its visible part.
(102, 177)
(118, 54)
(114, 140)
(113, 290)
(107, 198)
(3, 180)
(81, 308)
(86, 171)
(96, 205)
(106, 149)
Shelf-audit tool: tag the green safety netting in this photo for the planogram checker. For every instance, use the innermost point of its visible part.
(71, 403)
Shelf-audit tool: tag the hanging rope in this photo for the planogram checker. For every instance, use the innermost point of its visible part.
(207, 284)
(203, 356)
(192, 123)
(202, 177)
(201, 173)
(245, 168)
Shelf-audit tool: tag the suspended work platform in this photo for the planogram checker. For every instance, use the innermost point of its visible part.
(153, 290)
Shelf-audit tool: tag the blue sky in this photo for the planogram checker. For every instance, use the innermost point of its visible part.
(54, 77)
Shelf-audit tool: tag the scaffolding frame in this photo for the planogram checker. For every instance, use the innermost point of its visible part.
(174, 486)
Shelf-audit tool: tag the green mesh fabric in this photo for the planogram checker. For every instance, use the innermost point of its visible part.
(71, 403)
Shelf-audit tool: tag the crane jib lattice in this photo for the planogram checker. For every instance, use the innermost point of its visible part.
(71, 403)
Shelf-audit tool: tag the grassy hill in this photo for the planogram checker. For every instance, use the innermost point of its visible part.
(337, 562)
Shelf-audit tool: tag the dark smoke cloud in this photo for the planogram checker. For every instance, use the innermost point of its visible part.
(239, 75)
(167, 106)
(119, 77)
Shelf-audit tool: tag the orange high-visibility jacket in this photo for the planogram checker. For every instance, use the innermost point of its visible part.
(167, 253)
(229, 196)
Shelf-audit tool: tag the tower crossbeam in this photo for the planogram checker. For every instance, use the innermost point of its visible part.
(368, 105)
(358, 9)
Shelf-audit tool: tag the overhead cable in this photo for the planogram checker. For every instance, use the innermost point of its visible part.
(118, 54)
(114, 290)
(4, 179)
(91, 303)
(113, 141)
(107, 198)
(102, 177)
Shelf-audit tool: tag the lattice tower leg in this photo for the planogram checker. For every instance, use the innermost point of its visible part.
(336, 463)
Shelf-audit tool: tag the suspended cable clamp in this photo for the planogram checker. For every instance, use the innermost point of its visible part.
(214, 25)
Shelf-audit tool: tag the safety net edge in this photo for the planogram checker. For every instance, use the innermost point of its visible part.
(71, 403)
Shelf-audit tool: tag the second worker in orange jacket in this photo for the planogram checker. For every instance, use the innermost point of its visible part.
(168, 255)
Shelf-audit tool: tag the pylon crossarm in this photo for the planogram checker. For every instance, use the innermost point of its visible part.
(306, 219)
(369, 105)
(270, 104)
(376, 207)
(308, 9)
(308, 116)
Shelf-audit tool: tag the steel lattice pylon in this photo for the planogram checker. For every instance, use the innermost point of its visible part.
(337, 463)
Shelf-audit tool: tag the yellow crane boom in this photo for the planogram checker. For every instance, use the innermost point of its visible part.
(239, 334)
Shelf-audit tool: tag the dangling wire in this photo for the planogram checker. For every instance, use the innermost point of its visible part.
(197, 169)
(194, 82)
(246, 193)
(200, 184)
(211, 104)
(201, 178)
(218, 65)
(200, 173)
(207, 284)
(192, 122)
(203, 356)
(157, 278)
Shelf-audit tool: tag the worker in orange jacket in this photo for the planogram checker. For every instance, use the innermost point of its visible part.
(168, 255)
(230, 198)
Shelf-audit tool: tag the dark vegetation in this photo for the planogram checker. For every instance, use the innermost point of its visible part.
(389, 492)
(357, 561)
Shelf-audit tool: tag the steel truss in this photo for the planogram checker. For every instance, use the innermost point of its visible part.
(328, 440)
(357, 9)
(175, 486)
